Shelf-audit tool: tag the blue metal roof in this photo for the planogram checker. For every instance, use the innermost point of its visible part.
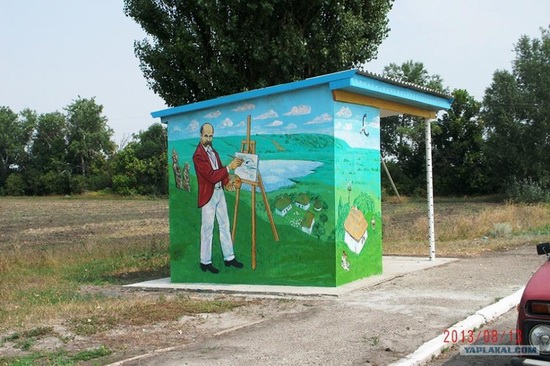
(353, 81)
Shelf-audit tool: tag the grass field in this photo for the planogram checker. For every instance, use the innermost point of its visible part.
(63, 261)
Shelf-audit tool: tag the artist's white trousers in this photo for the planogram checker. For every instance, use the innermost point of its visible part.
(215, 208)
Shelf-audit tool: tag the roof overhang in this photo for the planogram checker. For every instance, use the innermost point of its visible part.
(352, 86)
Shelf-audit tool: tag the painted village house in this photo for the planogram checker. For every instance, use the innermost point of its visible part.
(355, 227)
(315, 135)
(283, 205)
(307, 222)
(318, 205)
(302, 201)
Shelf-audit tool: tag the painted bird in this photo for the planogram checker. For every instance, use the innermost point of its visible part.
(363, 129)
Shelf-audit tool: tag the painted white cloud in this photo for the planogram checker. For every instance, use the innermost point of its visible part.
(323, 118)
(344, 112)
(299, 110)
(343, 126)
(175, 129)
(226, 123)
(244, 107)
(240, 124)
(275, 123)
(213, 114)
(375, 123)
(291, 126)
(193, 126)
(269, 114)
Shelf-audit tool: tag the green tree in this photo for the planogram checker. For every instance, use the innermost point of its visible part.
(88, 137)
(318, 230)
(141, 166)
(198, 50)
(364, 202)
(49, 143)
(458, 159)
(516, 112)
(48, 171)
(15, 138)
(402, 137)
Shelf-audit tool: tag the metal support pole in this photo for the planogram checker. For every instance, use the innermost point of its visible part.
(429, 179)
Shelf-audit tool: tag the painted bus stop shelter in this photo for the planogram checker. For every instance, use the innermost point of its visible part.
(304, 206)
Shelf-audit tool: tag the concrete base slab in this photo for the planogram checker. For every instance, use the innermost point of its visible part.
(393, 266)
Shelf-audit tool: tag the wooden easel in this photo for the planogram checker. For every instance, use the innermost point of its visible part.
(249, 147)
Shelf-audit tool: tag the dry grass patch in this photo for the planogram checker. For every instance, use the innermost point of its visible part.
(463, 228)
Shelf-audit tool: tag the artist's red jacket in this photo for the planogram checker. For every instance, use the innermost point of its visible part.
(207, 177)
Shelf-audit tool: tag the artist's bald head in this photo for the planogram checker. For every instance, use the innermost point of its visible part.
(207, 134)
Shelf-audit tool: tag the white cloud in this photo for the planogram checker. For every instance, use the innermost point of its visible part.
(244, 107)
(213, 114)
(343, 126)
(226, 123)
(240, 124)
(193, 126)
(175, 129)
(269, 114)
(323, 118)
(375, 122)
(275, 123)
(291, 126)
(344, 112)
(299, 110)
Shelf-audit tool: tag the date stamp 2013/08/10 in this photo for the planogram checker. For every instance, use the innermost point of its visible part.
(487, 336)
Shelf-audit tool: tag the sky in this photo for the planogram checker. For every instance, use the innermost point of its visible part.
(55, 51)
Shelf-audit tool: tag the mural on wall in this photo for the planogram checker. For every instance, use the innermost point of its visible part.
(315, 169)
(358, 192)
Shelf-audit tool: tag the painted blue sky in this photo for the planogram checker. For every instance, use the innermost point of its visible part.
(309, 112)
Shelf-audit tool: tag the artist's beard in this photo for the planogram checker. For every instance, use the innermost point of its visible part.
(207, 143)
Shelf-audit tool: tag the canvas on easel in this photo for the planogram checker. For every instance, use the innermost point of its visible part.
(249, 168)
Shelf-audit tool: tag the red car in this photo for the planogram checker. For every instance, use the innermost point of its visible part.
(533, 325)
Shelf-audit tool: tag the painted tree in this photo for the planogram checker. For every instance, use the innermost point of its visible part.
(318, 230)
(198, 50)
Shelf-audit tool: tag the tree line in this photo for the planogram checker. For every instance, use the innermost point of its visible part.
(198, 50)
(499, 145)
(72, 152)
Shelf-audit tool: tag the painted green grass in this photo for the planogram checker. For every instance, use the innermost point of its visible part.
(297, 259)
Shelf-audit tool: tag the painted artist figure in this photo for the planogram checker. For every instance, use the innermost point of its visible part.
(212, 178)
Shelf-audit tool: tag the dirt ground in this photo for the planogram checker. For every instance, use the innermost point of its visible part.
(126, 341)
(36, 225)
(31, 225)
